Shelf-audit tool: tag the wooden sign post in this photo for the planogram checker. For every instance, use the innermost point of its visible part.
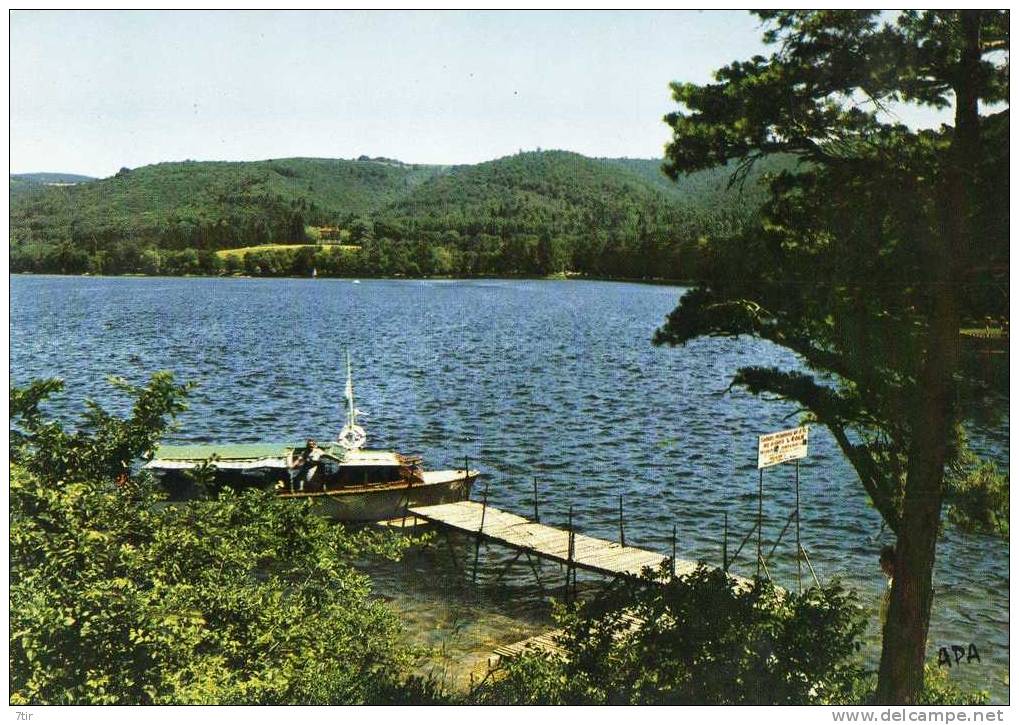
(773, 449)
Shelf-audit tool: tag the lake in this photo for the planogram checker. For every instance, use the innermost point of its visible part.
(546, 379)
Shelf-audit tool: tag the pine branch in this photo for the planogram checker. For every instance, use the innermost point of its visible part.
(835, 412)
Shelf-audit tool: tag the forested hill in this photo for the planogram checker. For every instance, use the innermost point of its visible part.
(210, 204)
(532, 213)
(26, 182)
(551, 192)
(553, 211)
(50, 177)
(714, 187)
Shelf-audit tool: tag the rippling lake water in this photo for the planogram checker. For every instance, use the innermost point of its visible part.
(526, 378)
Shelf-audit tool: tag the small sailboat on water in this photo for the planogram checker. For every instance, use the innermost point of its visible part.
(342, 479)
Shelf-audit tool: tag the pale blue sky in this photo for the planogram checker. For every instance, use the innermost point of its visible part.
(94, 91)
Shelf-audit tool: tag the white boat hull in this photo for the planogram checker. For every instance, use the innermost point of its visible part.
(378, 502)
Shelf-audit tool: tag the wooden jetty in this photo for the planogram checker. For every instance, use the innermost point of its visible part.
(492, 665)
(549, 641)
(544, 642)
(547, 542)
(564, 546)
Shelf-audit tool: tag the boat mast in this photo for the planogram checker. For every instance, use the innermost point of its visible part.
(351, 415)
(352, 436)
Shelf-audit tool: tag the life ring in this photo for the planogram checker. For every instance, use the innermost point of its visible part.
(352, 437)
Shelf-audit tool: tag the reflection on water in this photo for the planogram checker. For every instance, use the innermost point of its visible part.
(527, 378)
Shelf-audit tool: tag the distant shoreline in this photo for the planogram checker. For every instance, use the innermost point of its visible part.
(542, 278)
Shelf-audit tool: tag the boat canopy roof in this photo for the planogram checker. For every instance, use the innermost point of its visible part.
(264, 455)
(228, 452)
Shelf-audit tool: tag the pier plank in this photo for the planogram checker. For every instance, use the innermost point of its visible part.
(549, 542)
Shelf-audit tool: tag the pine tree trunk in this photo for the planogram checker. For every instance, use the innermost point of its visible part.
(904, 645)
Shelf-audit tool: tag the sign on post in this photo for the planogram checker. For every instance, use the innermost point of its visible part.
(785, 445)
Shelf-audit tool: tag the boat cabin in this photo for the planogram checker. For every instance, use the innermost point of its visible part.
(364, 468)
(269, 465)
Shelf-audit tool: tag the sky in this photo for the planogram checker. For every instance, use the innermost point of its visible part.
(92, 92)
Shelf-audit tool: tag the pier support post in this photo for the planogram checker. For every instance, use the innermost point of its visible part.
(569, 553)
(481, 529)
(573, 570)
(817, 582)
(455, 559)
(760, 518)
(725, 542)
(406, 504)
(536, 519)
(673, 551)
(537, 576)
(622, 534)
(799, 566)
(507, 567)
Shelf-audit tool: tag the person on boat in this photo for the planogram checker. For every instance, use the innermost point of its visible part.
(306, 464)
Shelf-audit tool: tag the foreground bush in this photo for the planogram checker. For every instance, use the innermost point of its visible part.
(700, 641)
(978, 499)
(117, 598)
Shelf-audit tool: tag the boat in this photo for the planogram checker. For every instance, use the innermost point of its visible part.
(341, 479)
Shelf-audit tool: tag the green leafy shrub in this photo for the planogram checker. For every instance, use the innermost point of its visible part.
(939, 690)
(702, 641)
(699, 640)
(243, 599)
(119, 598)
(103, 446)
(978, 499)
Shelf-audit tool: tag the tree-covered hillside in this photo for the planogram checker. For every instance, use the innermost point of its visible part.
(208, 205)
(532, 213)
(708, 189)
(23, 183)
(534, 192)
(554, 211)
(51, 177)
